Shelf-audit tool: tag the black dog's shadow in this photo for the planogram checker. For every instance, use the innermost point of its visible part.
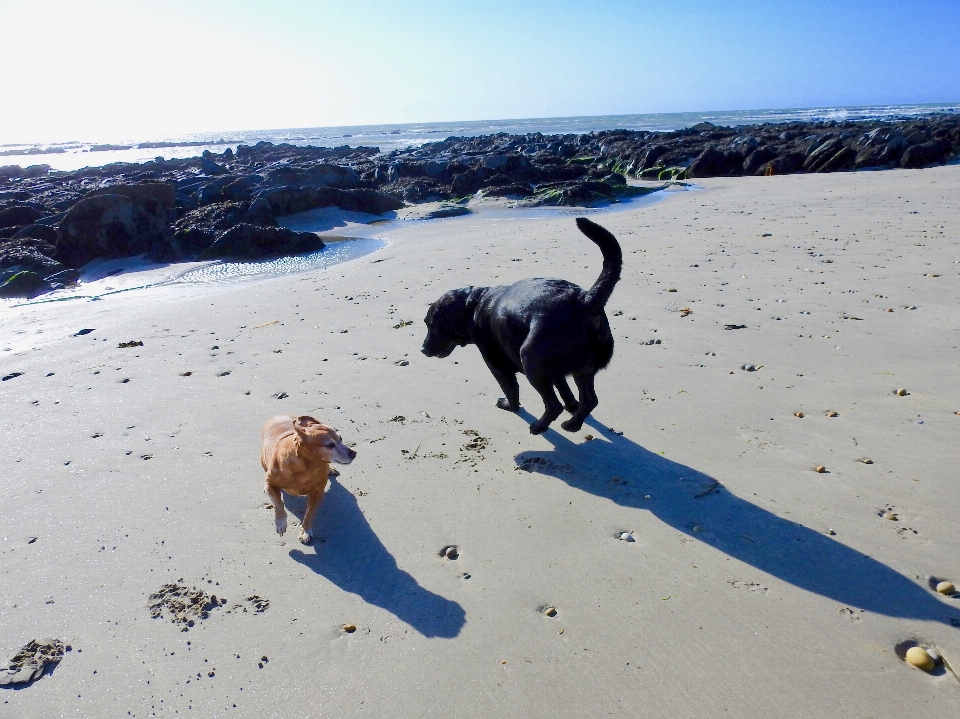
(698, 506)
(348, 553)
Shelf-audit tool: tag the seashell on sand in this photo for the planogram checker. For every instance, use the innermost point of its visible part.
(550, 611)
(819, 469)
(349, 628)
(946, 588)
(918, 657)
(831, 413)
(798, 414)
(901, 392)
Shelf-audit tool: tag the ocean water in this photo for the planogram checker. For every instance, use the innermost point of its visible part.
(75, 155)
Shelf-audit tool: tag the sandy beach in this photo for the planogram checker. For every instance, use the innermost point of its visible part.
(697, 563)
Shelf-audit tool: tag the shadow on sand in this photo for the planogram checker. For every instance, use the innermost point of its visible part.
(348, 553)
(684, 498)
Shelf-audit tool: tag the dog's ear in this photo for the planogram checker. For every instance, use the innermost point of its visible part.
(302, 422)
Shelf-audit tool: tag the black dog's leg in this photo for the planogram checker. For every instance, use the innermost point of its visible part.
(588, 402)
(508, 383)
(506, 375)
(569, 403)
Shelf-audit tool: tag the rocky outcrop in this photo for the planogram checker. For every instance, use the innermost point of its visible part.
(178, 209)
(250, 242)
(116, 221)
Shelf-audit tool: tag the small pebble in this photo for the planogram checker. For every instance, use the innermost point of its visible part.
(946, 588)
(866, 460)
(349, 628)
(451, 552)
(918, 657)
(891, 516)
(819, 469)
(672, 289)
(831, 533)
(831, 413)
(901, 392)
(798, 414)
(697, 528)
(550, 611)
(588, 437)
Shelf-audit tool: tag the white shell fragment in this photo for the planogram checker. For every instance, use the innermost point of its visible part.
(627, 537)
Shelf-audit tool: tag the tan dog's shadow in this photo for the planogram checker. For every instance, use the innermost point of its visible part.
(348, 553)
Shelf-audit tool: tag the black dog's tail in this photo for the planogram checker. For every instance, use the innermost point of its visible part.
(596, 297)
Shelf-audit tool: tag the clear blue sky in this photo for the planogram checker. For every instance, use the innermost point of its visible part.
(135, 69)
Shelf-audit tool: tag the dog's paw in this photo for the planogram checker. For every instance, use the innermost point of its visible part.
(281, 526)
(572, 407)
(502, 403)
(539, 427)
(571, 426)
(306, 537)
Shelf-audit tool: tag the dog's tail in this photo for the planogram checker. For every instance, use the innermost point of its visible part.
(596, 297)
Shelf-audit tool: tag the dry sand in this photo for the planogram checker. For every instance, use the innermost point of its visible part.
(733, 600)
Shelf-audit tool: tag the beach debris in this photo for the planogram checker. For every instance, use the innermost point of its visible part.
(798, 414)
(626, 537)
(831, 532)
(266, 324)
(349, 628)
(588, 437)
(549, 611)
(276, 352)
(80, 333)
(618, 313)
(891, 516)
(819, 469)
(920, 658)
(734, 327)
(32, 661)
(182, 605)
(397, 418)
(280, 395)
(957, 413)
(186, 374)
(403, 323)
(650, 342)
(946, 588)
(450, 552)
(258, 604)
(865, 460)
(901, 392)
(14, 375)
(224, 374)
(401, 363)
(750, 367)
(697, 528)
(131, 343)
(831, 413)
(686, 311)
(671, 289)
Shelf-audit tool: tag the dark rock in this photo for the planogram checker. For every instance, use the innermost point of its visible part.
(709, 163)
(508, 190)
(196, 230)
(210, 167)
(820, 153)
(26, 285)
(27, 256)
(757, 159)
(40, 232)
(249, 242)
(117, 221)
(842, 159)
(19, 215)
(369, 201)
(926, 153)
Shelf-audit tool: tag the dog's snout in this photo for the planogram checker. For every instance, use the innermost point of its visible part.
(352, 453)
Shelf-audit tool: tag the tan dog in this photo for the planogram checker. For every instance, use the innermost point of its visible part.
(296, 456)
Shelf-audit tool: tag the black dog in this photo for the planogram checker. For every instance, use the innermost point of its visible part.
(545, 328)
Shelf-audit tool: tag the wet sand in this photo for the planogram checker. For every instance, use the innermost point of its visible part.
(124, 476)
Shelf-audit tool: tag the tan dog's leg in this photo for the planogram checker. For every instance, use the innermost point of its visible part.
(306, 527)
(279, 512)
